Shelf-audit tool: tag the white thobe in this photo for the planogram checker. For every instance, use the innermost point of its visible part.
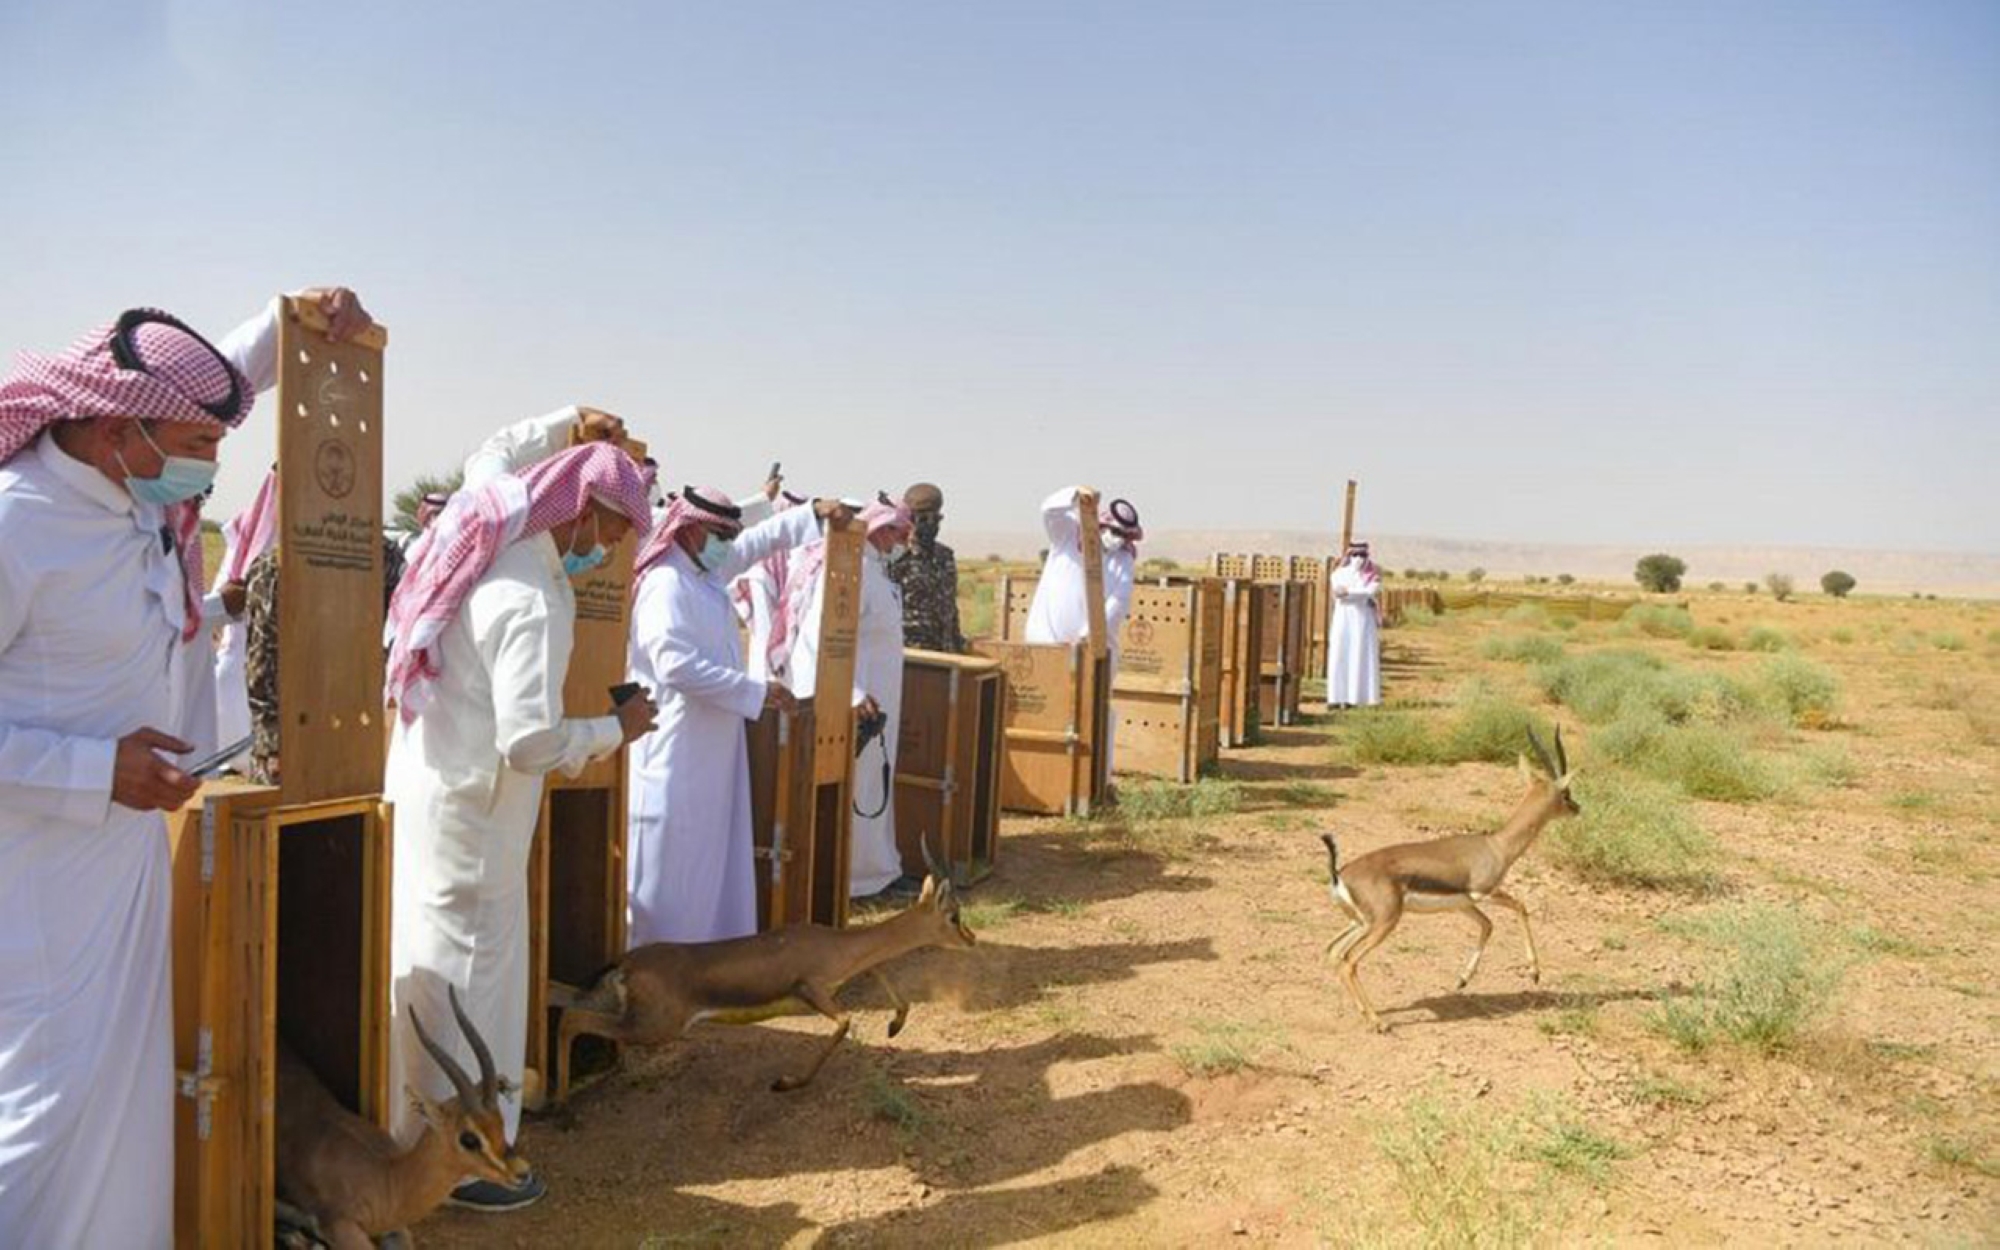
(1354, 649)
(873, 861)
(91, 610)
(1059, 612)
(466, 780)
(217, 702)
(522, 444)
(690, 875)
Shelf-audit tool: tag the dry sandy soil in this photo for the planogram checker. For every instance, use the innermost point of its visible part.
(1147, 1048)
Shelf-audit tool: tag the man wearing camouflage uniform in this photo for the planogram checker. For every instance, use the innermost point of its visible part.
(928, 575)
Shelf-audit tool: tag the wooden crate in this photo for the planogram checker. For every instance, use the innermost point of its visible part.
(1055, 713)
(800, 829)
(948, 763)
(1242, 651)
(1167, 692)
(281, 929)
(802, 764)
(1282, 646)
(1312, 573)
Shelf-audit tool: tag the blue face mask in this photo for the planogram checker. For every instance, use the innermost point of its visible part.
(714, 551)
(181, 477)
(577, 564)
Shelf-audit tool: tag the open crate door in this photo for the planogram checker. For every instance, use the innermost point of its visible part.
(224, 976)
(330, 571)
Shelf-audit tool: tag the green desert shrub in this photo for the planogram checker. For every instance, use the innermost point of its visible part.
(1773, 976)
(1634, 832)
(1766, 638)
(1522, 648)
(1809, 693)
(1657, 620)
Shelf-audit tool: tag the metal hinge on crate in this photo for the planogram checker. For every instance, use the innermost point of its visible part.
(202, 1084)
(207, 843)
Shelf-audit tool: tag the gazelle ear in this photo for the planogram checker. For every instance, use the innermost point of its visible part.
(427, 1111)
(930, 889)
(1562, 782)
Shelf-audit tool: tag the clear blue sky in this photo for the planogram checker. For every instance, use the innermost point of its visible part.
(1629, 272)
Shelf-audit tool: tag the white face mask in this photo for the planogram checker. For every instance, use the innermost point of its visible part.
(1112, 542)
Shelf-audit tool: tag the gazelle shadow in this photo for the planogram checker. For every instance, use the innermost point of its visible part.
(1473, 1005)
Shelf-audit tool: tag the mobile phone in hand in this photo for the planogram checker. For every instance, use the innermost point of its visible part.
(213, 764)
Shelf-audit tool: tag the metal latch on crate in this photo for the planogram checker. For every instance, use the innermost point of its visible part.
(202, 1084)
(207, 843)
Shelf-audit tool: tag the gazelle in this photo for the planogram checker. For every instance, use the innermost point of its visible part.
(658, 991)
(1453, 874)
(348, 1176)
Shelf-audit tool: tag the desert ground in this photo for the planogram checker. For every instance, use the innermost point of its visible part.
(1767, 1012)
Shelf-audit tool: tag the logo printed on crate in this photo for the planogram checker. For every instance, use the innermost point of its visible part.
(333, 469)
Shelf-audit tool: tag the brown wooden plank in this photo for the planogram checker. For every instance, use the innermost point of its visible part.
(330, 508)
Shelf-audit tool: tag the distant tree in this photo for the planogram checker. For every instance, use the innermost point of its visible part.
(1718, 587)
(1660, 572)
(1565, 578)
(1780, 584)
(407, 499)
(993, 557)
(1413, 574)
(1441, 575)
(1749, 588)
(1837, 583)
(1475, 574)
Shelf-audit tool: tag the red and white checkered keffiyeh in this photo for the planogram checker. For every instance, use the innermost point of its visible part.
(248, 534)
(774, 569)
(462, 544)
(180, 372)
(685, 512)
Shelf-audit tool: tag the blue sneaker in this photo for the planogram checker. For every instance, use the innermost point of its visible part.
(494, 1198)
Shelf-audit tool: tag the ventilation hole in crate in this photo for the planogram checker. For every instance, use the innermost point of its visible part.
(336, 722)
(302, 410)
(333, 419)
(305, 357)
(366, 719)
(364, 425)
(302, 717)
(333, 367)
(364, 377)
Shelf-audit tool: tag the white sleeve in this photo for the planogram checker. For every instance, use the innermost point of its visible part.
(530, 731)
(681, 665)
(520, 445)
(757, 508)
(792, 528)
(253, 348)
(1060, 521)
(212, 611)
(44, 772)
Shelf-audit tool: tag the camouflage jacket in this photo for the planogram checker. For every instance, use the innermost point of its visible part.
(930, 598)
(260, 661)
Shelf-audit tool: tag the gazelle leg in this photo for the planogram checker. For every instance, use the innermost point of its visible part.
(347, 1235)
(1355, 928)
(817, 999)
(1521, 909)
(1478, 917)
(1350, 965)
(577, 1022)
(902, 1008)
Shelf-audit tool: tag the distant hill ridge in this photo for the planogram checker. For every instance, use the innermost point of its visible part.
(1958, 574)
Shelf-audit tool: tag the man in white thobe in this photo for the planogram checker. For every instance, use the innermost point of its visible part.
(103, 451)
(689, 872)
(874, 864)
(1354, 644)
(481, 626)
(1059, 612)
